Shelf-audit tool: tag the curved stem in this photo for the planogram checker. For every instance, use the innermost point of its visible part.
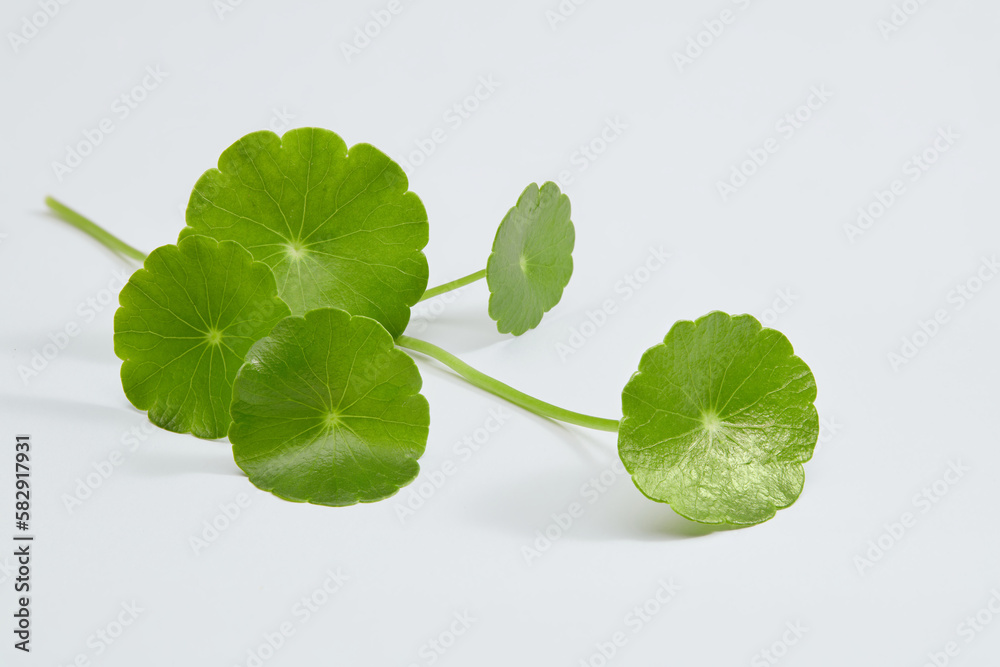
(66, 214)
(504, 391)
(454, 284)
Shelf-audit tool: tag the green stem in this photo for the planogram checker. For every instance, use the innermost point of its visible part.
(66, 214)
(504, 391)
(454, 284)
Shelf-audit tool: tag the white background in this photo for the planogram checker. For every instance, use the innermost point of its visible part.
(888, 432)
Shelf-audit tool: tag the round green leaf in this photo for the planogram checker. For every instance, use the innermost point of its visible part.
(328, 411)
(339, 229)
(719, 420)
(185, 324)
(532, 259)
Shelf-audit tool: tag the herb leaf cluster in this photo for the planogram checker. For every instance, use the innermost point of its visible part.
(278, 320)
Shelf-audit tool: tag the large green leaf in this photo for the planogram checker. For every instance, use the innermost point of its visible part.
(532, 259)
(328, 411)
(185, 324)
(719, 420)
(338, 228)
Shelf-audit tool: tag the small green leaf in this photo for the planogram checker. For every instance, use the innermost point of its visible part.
(185, 324)
(719, 420)
(328, 411)
(339, 229)
(532, 259)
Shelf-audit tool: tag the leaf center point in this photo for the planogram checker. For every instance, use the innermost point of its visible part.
(296, 250)
(711, 420)
(214, 336)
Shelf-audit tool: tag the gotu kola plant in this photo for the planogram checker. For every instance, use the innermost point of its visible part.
(278, 319)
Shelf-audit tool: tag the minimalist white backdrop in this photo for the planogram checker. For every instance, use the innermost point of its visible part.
(640, 109)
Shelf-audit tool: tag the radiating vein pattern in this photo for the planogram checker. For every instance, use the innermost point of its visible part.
(532, 259)
(339, 228)
(328, 411)
(186, 322)
(719, 420)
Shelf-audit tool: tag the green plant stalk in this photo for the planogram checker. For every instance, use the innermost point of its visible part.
(504, 391)
(66, 214)
(469, 373)
(453, 285)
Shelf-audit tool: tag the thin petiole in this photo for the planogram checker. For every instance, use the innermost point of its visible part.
(66, 214)
(454, 284)
(504, 391)
(475, 377)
